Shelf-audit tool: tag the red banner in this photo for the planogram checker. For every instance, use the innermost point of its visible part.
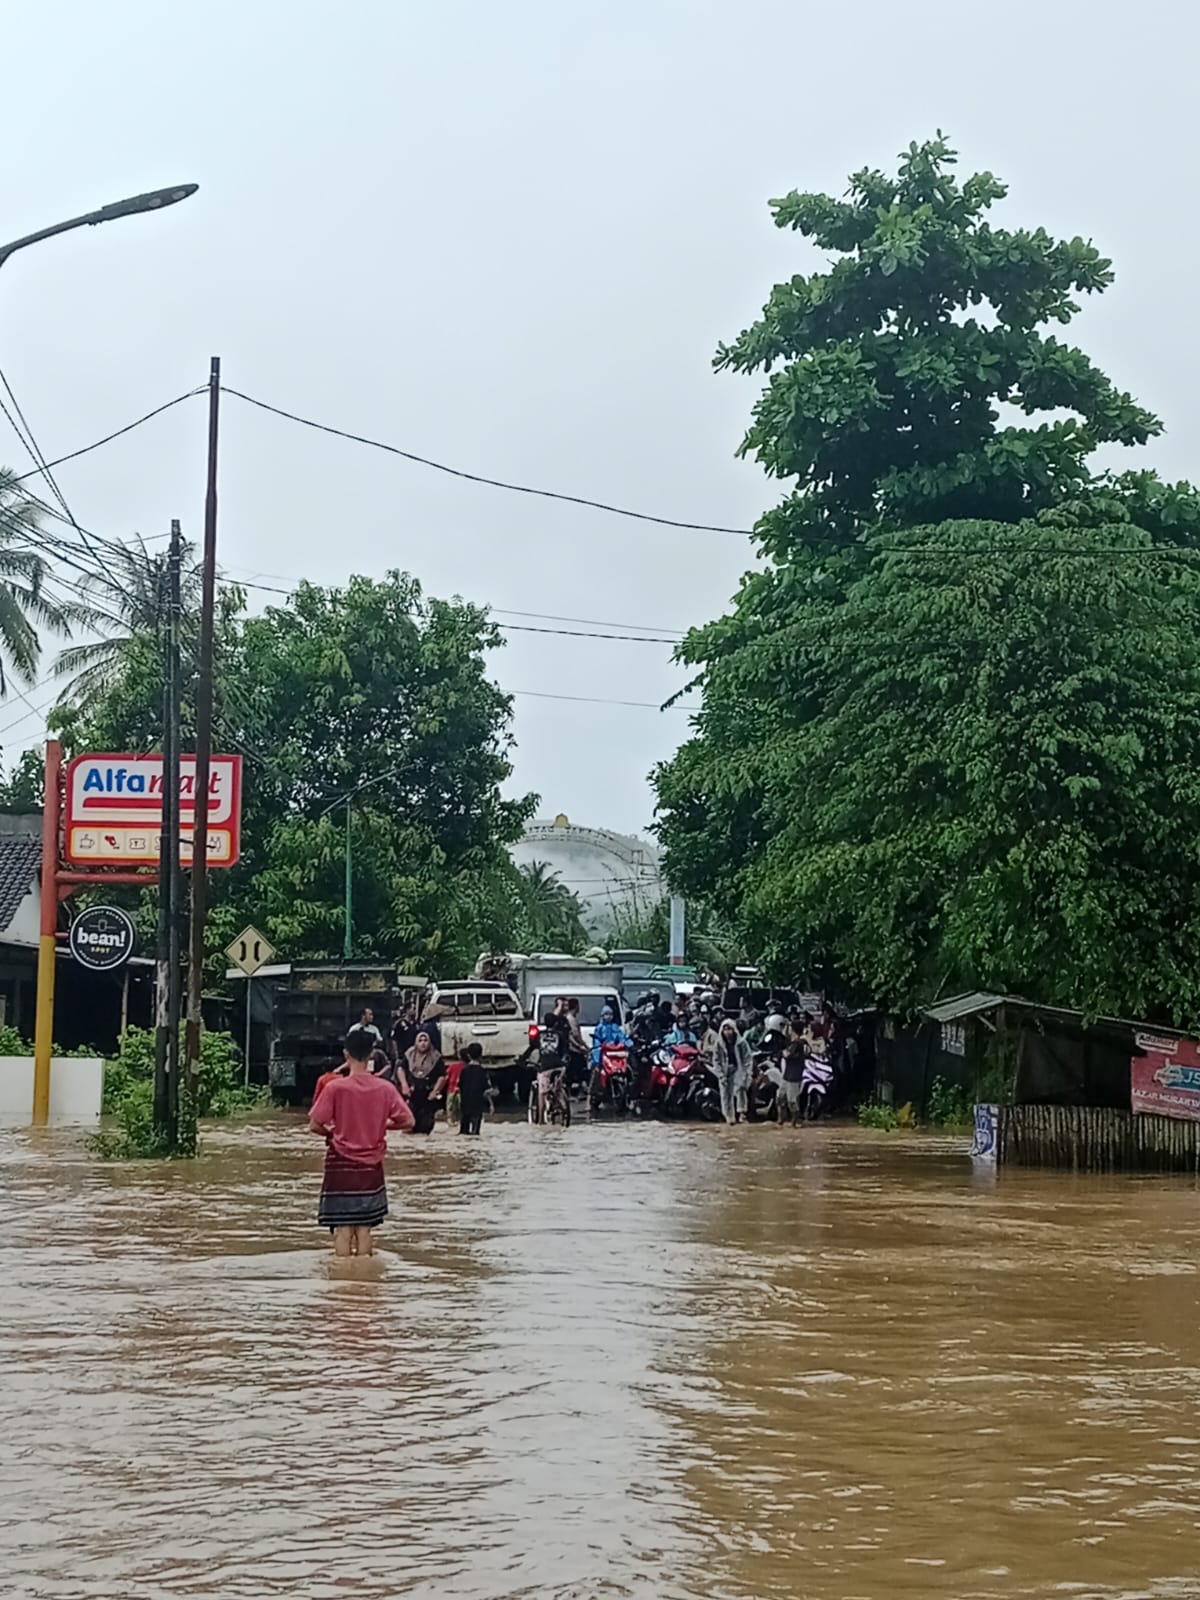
(1165, 1080)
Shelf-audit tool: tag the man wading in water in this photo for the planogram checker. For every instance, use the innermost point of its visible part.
(354, 1114)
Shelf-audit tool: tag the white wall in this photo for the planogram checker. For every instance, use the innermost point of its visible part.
(76, 1090)
(26, 925)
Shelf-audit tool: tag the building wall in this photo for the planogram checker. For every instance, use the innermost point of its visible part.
(76, 1090)
(26, 925)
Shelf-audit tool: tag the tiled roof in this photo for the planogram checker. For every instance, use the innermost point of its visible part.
(20, 863)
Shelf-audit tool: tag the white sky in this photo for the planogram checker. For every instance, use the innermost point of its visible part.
(509, 237)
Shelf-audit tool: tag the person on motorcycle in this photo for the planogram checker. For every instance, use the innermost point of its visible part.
(643, 1025)
(608, 1031)
(681, 1033)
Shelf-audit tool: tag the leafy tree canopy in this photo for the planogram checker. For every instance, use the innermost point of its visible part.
(371, 698)
(970, 762)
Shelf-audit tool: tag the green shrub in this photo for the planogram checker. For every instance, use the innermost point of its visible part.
(11, 1042)
(134, 1111)
(950, 1105)
(129, 1091)
(875, 1115)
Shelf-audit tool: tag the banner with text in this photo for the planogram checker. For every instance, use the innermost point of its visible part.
(1165, 1079)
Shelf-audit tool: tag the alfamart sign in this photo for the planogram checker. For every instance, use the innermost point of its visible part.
(114, 810)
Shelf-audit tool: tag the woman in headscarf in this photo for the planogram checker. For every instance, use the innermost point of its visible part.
(732, 1062)
(426, 1073)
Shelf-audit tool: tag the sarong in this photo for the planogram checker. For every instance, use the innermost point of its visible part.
(353, 1194)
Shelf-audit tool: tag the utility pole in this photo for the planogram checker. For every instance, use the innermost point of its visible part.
(166, 1040)
(348, 940)
(204, 713)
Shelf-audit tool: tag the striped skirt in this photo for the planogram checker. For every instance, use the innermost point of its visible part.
(353, 1194)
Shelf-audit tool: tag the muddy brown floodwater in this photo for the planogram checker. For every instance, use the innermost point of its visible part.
(639, 1360)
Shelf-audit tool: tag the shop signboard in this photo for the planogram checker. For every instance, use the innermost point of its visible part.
(1164, 1078)
(114, 810)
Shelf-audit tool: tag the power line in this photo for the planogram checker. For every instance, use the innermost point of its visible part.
(34, 710)
(505, 627)
(475, 477)
(117, 433)
(507, 611)
(598, 700)
(574, 633)
(828, 546)
(36, 452)
(587, 622)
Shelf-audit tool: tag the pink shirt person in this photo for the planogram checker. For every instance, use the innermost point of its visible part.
(360, 1108)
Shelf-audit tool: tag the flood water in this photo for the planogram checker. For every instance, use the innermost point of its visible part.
(621, 1361)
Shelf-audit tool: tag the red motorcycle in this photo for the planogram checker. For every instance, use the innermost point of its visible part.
(690, 1088)
(667, 1079)
(609, 1086)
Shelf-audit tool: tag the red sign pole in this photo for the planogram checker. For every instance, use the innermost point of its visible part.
(58, 883)
(43, 1041)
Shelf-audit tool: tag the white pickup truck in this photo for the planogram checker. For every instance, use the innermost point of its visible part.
(473, 1011)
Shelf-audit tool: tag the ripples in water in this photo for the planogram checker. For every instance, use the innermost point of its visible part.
(624, 1361)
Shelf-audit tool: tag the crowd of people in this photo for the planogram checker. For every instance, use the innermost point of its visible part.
(778, 1061)
(765, 1062)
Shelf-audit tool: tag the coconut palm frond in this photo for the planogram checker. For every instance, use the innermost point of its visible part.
(21, 648)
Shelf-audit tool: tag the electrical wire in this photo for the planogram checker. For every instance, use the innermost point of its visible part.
(36, 452)
(599, 700)
(117, 433)
(34, 710)
(829, 546)
(475, 477)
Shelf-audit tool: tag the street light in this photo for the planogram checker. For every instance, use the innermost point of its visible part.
(345, 799)
(154, 201)
(44, 1013)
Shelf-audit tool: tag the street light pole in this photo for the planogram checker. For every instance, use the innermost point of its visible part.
(154, 201)
(367, 783)
(348, 941)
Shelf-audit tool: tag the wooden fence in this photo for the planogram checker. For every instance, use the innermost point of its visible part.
(1096, 1139)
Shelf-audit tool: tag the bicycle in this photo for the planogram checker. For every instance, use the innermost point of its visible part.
(554, 1106)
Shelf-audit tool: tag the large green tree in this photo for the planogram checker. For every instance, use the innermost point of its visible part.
(371, 699)
(838, 793)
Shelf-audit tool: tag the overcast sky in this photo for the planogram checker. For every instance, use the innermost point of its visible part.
(509, 237)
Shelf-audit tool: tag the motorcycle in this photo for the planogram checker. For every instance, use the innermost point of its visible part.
(645, 1088)
(690, 1090)
(609, 1085)
(763, 1100)
(768, 1075)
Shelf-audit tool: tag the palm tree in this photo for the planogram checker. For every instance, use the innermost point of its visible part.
(125, 604)
(24, 601)
(552, 914)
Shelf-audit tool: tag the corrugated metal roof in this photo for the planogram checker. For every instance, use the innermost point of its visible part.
(964, 1005)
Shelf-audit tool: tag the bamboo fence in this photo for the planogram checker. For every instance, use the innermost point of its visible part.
(1096, 1139)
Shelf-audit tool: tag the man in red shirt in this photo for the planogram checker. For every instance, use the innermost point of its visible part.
(354, 1114)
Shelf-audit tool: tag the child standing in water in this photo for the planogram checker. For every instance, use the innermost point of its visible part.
(354, 1114)
(472, 1087)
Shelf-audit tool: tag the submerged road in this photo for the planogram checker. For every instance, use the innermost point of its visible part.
(636, 1360)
